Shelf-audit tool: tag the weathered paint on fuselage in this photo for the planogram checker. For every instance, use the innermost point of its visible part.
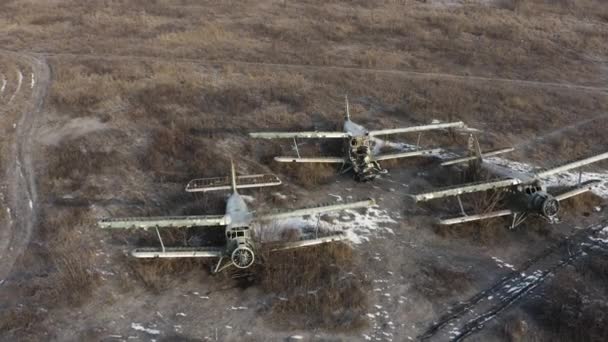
(238, 230)
(237, 210)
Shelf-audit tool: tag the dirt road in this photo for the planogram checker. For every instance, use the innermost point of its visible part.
(20, 179)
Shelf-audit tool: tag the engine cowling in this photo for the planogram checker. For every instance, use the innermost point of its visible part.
(544, 204)
(242, 257)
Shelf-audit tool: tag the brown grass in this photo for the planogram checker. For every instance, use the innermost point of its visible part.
(436, 281)
(308, 175)
(316, 287)
(159, 275)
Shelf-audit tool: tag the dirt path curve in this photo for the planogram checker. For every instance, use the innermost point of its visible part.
(407, 73)
(20, 178)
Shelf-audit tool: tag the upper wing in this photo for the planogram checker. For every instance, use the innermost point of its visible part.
(380, 157)
(318, 210)
(310, 160)
(224, 183)
(583, 187)
(311, 134)
(278, 246)
(458, 124)
(466, 188)
(573, 165)
(163, 222)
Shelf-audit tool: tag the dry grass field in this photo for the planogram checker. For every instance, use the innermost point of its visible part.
(146, 95)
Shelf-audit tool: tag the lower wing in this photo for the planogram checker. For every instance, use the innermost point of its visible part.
(310, 160)
(280, 246)
(471, 218)
(290, 135)
(163, 222)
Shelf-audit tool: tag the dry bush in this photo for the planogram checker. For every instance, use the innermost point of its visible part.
(308, 175)
(437, 281)
(158, 275)
(515, 329)
(71, 254)
(315, 287)
(582, 204)
(15, 320)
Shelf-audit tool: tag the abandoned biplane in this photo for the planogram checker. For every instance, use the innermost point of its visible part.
(358, 154)
(239, 249)
(524, 193)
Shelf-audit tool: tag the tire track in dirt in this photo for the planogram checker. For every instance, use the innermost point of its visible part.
(407, 73)
(3, 86)
(21, 194)
(472, 315)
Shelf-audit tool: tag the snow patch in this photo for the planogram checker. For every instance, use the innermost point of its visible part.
(19, 81)
(3, 85)
(140, 327)
(502, 264)
(603, 236)
(33, 81)
(338, 197)
(358, 227)
(248, 199)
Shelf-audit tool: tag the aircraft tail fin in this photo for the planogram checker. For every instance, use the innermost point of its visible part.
(233, 176)
(347, 117)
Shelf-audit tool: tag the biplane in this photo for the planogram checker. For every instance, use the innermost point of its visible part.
(240, 246)
(524, 193)
(357, 141)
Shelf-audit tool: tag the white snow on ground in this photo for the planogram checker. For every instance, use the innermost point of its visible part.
(33, 81)
(140, 327)
(603, 236)
(337, 197)
(248, 199)
(19, 81)
(502, 264)
(358, 226)
(3, 85)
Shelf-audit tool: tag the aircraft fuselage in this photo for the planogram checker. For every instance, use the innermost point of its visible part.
(359, 150)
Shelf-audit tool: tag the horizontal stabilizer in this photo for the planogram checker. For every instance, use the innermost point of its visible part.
(582, 188)
(224, 183)
(471, 218)
(573, 165)
(413, 129)
(335, 160)
(304, 135)
(409, 154)
(318, 210)
(178, 252)
(280, 246)
(483, 155)
(163, 222)
(466, 188)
